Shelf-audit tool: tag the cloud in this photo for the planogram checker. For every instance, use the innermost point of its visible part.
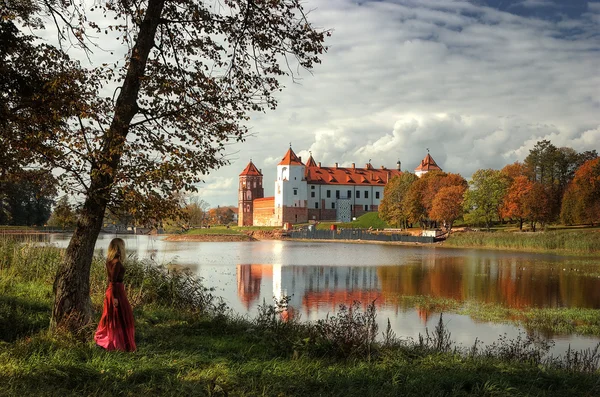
(476, 84)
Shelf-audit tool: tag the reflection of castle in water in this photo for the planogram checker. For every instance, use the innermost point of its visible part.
(310, 287)
(503, 281)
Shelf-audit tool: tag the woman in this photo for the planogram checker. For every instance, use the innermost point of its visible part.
(116, 329)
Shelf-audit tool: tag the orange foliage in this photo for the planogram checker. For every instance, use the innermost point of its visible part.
(514, 202)
(448, 204)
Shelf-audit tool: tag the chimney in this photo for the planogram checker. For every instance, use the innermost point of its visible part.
(336, 165)
(382, 167)
(353, 165)
(300, 158)
(260, 171)
(398, 165)
(319, 164)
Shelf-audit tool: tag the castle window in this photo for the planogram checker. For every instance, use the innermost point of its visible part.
(313, 187)
(312, 194)
(333, 205)
(376, 195)
(337, 194)
(366, 194)
(358, 194)
(248, 195)
(366, 207)
(317, 204)
(328, 193)
(295, 192)
(254, 183)
(349, 193)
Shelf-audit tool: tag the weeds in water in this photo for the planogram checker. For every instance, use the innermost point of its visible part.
(587, 361)
(529, 348)
(438, 341)
(351, 332)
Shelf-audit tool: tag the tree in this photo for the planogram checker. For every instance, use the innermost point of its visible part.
(420, 196)
(484, 198)
(191, 75)
(581, 203)
(448, 205)
(195, 211)
(26, 197)
(537, 205)
(392, 208)
(513, 205)
(63, 215)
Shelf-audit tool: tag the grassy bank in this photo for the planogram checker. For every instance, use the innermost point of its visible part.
(190, 345)
(581, 242)
(553, 321)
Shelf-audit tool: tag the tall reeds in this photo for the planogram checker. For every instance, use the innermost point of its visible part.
(567, 242)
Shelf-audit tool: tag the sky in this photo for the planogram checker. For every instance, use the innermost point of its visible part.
(477, 82)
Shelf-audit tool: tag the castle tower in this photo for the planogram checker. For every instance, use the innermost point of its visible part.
(250, 188)
(427, 164)
(291, 190)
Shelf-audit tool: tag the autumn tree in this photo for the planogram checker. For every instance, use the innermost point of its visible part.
(554, 168)
(419, 198)
(581, 203)
(191, 74)
(537, 207)
(447, 205)
(513, 205)
(484, 198)
(392, 208)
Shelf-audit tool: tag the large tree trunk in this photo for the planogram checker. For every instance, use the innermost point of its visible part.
(72, 305)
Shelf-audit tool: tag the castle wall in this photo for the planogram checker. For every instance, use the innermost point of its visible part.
(294, 215)
(264, 212)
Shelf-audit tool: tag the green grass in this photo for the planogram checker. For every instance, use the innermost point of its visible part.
(370, 219)
(581, 242)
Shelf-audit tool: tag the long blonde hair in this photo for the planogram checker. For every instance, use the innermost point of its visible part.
(116, 249)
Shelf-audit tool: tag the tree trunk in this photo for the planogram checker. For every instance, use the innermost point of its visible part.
(521, 224)
(72, 304)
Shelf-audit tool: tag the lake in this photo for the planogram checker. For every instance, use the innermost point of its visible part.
(321, 276)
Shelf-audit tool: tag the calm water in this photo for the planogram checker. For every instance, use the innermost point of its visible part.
(321, 276)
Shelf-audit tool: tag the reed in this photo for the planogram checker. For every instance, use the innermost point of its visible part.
(563, 242)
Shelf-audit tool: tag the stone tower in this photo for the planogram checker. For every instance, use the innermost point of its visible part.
(250, 188)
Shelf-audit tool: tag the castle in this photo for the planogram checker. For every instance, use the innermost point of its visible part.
(310, 192)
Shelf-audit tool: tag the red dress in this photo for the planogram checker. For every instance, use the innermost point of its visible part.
(116, 328)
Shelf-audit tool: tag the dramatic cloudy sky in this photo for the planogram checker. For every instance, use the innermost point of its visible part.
(476, 82)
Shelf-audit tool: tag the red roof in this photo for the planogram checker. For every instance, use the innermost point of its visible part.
(428, 164)
(251, 170)
(311, 162)
(368, 176)
(290, 158)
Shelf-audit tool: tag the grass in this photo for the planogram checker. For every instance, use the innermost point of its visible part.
(370, 219)
(189, 345)
(580, 242)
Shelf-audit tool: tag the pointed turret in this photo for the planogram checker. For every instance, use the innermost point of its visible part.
(250, 188)
(427, 164)
(290, 158)
(251, 170)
